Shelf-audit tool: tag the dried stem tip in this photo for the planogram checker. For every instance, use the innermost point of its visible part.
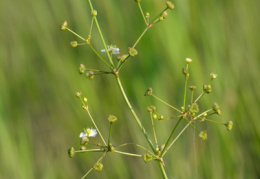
(170, 5)
(64, 25)
(148, 92)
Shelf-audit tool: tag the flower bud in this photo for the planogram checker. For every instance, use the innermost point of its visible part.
(192, 88)
(83, 147)
(151, 108)
(82, 68)
(90, 75)
(216, 108)
(147, 15)
(94, 13)
(229, 125)
(160, 18)
(155, 116)
(71, 152)
(207, 88)
(137, 1)
(161, 118)
(194, 108)
(188, 60)
(98, 167)
(132, 51)
(78, 94)
(203, 135)
(121, 57)
(147, 158)
(170, 5)
(85, 99)
(64, 25)
(74, 43)
(112, 119)
(164, 14)
(84, 140)
(185, 71)
(213, 76)
(148, 92)
(111, 148)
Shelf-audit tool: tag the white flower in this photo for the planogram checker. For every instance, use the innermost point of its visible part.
(88, 133)
(111, 49)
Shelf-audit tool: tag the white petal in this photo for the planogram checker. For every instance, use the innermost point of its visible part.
(82, 134)
(103, 50)
(93, 133)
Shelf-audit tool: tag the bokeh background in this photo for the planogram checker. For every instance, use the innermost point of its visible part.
(40, 117)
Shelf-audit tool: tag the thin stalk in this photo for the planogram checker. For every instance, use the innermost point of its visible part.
(200, 96)
(100, 56)
(185, 89)
(76, 34)
(187, 125)
(140, 36)
(126, 153)
(137, 146)
(170, 137)
(134, 114)
(101, 35)
(155, 138)
(159, 15)
(96, 127)
(162, 169)
(166, 103)
(142, 12)
(90, 150)
(109, 133)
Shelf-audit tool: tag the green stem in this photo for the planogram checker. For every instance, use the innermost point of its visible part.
(162, 169)
(96, 127)
(185, 89)
(187, 125)
(76, 34)
(101, 35)
(109, 134)
(155, 138)
(200, 96)
(100, 56)
(134, 114)
(166, 103)
(126, 153)
(90, 150)
(140, 36)
(170, 137)
(142, 12)
(137, 146)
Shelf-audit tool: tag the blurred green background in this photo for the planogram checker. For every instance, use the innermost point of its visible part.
(40, 118)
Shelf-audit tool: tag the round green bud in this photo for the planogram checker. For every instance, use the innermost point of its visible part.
(203, 135)
(151, 108)
(64, 25)
(111, 148)
(213, 76)
(161, 118)
(94, 13)
(164, 14)
(207, 88)
(112, 118)
(98, 167)
(148, 92)
(90, 75)
(170, 5)
(192, 88)
(229, 125)
(188, 60)
(182, 108)
(147, 158)
(160, 18)
(71, 152)
(132, 51)
(78, 94)
(147, 15)
(194, 108)
(205, 114)
(216, 108)
(74, 43)
(82, 68)
(155, 116)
